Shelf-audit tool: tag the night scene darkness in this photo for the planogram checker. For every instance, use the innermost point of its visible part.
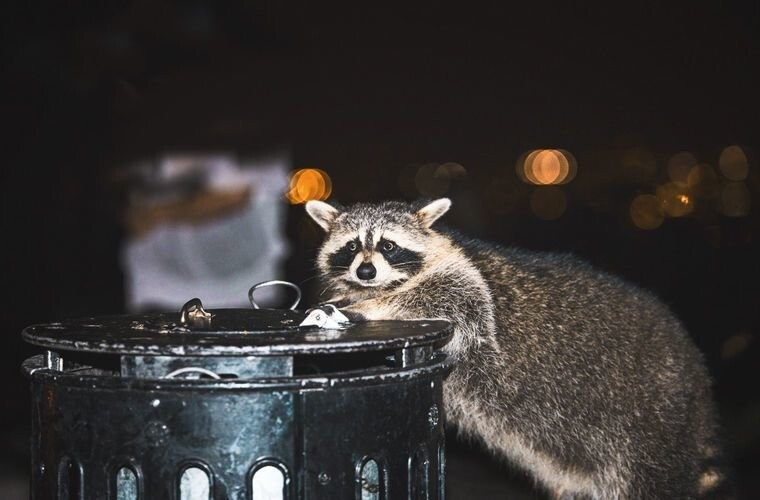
(624, 133)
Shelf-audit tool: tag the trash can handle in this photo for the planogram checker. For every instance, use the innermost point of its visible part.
(273, 283)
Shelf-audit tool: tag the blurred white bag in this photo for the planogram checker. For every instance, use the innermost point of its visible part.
(217, 258)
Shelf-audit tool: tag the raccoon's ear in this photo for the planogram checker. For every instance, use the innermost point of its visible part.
(322, 213)
(433, 211)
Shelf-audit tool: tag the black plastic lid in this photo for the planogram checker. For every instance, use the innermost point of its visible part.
(231, 332)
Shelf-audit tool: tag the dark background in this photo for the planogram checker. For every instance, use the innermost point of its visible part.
(369, 92)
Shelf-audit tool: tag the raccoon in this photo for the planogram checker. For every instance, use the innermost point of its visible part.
(586, 382)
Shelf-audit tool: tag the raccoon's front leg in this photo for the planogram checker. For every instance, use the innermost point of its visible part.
(372, 309)
(465, 303)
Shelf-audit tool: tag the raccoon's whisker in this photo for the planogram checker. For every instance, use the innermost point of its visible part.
(404, 265)
(309, 278)
(325, 289)
(325, 276)
(317, 274)
(339, 267)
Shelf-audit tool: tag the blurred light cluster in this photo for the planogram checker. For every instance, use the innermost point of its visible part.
(547, 169)
(690, 184)
(547, 166)
(308, 184)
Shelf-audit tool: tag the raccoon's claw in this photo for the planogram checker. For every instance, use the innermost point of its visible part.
(325, 316)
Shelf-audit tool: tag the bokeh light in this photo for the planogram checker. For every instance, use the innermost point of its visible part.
(734, 199)
(523, 172)
(308, 184)
(679, 166)
(548, 203)
(675, 199)
(546, 167)
(703, 182)
(647, 212)
(733, 163)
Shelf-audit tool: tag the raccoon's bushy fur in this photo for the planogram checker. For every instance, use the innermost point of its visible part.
(587, 382)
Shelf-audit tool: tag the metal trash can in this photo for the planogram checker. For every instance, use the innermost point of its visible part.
(236, 404)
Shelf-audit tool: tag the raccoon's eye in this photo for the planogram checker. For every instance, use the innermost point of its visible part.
(388, 246)
(353, 246)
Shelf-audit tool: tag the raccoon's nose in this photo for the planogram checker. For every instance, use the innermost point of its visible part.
(366, 271)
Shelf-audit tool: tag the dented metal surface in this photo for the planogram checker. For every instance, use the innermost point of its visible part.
(314, 403)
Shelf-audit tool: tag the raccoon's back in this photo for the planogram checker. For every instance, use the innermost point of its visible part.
(606, 371)
(574, 314)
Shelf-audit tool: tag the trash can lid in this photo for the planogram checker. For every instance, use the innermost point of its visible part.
(231, 332)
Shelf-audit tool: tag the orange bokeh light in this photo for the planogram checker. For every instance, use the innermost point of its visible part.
(733, 163)
(308, 184)
(675, 200)
(545, 167)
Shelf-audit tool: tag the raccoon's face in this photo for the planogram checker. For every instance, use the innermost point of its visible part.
(374, 245)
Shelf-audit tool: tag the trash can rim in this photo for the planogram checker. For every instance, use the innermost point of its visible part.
(232, 332)
(33, 369)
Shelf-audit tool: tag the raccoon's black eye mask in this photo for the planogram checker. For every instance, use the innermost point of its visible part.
(342, 258)
(399, 257)
(386, 247)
